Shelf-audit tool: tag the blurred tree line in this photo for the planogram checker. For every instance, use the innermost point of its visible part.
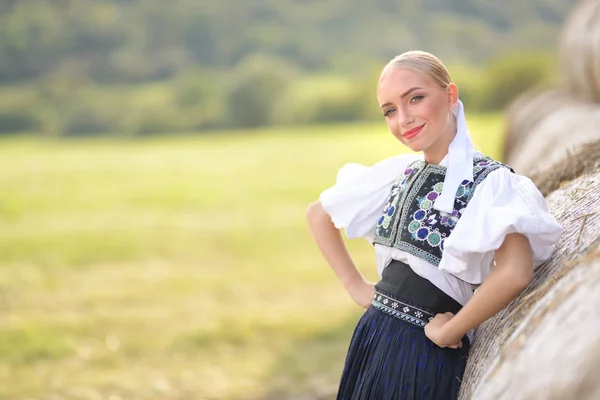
(73, 67)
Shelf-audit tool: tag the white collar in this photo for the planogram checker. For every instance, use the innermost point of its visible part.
(444, 161)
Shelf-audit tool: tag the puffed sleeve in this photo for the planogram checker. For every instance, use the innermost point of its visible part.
(503, 203)
(358, 197)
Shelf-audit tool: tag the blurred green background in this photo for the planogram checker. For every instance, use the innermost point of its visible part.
(156, 160)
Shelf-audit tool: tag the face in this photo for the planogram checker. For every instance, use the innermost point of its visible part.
(417, 111)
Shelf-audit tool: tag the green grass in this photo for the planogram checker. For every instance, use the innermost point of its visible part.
(176, 267)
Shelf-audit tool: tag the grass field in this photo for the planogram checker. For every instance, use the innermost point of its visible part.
(177, 267)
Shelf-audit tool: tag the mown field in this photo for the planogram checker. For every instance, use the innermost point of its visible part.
(177, 267)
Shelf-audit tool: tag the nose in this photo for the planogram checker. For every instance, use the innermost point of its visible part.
(405, 118)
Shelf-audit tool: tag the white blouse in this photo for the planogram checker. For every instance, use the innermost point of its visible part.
(503, 203)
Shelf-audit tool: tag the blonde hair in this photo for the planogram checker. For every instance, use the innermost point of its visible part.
(424, 63)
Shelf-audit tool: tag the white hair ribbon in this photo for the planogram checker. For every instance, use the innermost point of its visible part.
(460, 163)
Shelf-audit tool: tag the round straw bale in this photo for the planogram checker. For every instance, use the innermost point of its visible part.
(525, 113)
(555, 353)
(584, 161)
(576, 206)
(561, 132)
(579, 51)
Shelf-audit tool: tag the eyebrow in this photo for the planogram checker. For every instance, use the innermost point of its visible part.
(409, 91)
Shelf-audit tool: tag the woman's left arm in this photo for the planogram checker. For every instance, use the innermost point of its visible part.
(511, 274)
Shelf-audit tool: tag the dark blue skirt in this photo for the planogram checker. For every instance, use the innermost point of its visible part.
(391, 358)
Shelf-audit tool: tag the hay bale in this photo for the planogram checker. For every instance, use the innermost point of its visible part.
(543, 125)
(525, 113)
(563, 131)
(579, 51)
(555, 353)
(576, 206)
(585, 161)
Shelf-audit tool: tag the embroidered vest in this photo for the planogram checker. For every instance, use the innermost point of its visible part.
(409, 222)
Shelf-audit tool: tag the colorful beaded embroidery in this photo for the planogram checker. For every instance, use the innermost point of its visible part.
(410, 223)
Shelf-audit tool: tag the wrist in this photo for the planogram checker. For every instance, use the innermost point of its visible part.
(451, 332)
(356, 282)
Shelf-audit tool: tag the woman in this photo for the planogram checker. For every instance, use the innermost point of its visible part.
(443, 223)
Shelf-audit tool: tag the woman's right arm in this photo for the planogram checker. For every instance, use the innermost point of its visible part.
(331, 244)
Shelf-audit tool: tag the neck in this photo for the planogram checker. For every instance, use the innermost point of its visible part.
(438, 150)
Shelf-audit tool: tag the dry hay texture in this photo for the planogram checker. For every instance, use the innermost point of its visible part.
(548, 333)
(544, 126)
(555, 352)
(586, 160)
(546, 343)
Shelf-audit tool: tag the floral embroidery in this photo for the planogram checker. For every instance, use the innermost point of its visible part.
(410, 223)
(391, 207)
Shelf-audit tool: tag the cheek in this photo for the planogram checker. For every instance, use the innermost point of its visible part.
(395, 130)
(436, 114)
(392, 126)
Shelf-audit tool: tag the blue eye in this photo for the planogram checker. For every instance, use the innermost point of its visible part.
(388, 112)
(416, 98)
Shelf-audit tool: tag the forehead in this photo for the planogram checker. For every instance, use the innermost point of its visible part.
(396, 81)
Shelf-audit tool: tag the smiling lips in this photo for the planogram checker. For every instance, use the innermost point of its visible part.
(413, 132)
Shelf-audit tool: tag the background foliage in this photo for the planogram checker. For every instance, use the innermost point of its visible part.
(132, 67)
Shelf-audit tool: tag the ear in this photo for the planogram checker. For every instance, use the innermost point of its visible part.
(452, 92)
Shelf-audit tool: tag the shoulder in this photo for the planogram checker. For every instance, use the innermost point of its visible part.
(489, 170)
(397, 163)
(484, 165)
(499, 187)
(356, 199)
(384, 170)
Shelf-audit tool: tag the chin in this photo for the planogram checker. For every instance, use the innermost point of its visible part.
(416, 147)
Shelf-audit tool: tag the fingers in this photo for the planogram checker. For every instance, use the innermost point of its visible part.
(456, 346)
(447, 315)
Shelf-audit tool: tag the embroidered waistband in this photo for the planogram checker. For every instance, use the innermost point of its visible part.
(400, 309)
